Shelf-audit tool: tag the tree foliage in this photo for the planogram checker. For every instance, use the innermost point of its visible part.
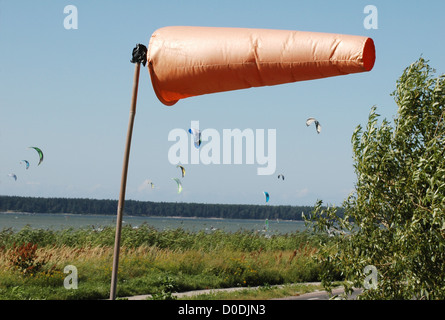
(395, 218)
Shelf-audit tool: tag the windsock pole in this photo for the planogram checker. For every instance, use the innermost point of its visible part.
(139, 56)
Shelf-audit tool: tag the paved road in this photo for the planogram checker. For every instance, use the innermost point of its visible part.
(322, 295)
(316, 295)
(193, 293)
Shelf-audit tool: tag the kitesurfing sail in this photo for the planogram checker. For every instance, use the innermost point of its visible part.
(309, 121)
(179, 184)
(39, 151)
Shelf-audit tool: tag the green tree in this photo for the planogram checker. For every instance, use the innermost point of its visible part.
(395, 218)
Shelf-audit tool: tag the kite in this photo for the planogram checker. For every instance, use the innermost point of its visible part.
(267, 196)
(182, 170)
(280, 176)
(196, 137)
(179, 184)
(40, 154)
(12, 175)
(151, 184)
(27, 163)
(309, 121)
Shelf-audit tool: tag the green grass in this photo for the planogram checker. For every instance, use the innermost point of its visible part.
(152, 262)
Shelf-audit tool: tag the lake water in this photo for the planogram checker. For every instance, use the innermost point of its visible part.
(17, 221)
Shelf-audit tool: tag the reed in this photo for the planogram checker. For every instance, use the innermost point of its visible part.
(149, 259)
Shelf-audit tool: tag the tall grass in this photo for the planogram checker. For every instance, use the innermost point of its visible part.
(150, 258)
(149, 236)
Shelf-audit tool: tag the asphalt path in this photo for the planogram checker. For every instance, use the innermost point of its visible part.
(324, 295)
(316, 295)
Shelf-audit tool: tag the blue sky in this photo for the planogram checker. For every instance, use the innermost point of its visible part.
(68, 92)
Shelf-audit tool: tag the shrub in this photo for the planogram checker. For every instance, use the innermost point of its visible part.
(395, 219)
(25, 259)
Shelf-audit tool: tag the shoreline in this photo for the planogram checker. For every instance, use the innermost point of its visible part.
(10, 212)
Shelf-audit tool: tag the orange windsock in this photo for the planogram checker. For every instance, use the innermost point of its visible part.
(191, 61)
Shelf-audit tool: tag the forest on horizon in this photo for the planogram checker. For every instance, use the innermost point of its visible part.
(148, 208)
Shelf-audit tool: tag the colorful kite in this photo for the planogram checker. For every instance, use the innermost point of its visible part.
(151, 183)
(267, 196)
(40, 154)
(26, 163)
(317, 124)
(196, 137)
(182, 170)
(179, 184)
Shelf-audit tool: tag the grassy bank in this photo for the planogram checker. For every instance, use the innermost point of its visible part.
(151, 261)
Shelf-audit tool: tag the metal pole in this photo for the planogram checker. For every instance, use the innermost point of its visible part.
(139, 56)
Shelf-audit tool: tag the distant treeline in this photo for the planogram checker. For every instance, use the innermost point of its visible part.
(146, 208)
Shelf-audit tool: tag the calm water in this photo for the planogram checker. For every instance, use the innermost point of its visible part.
(17, 221)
